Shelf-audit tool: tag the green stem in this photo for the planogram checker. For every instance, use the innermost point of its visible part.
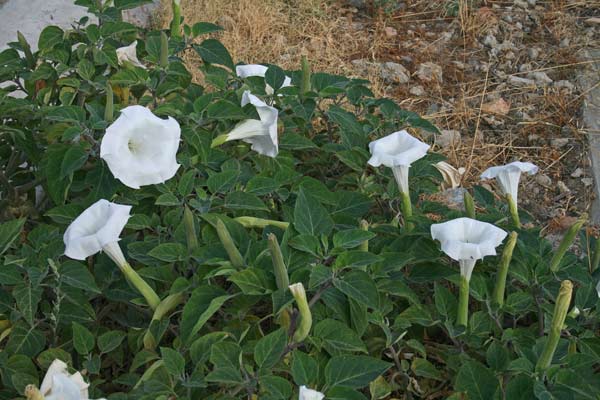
(558, 319)
(469, 205)
(514, 211)
(499, 289)
(567, 241)
(596, 256)
(463, 302)
(141, 285)
(407, 210)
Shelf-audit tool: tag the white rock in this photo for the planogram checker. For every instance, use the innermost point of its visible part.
(587, 181)
(518, 81)
(543, 180)
(577, 173)
(448, 138)
(490, 41)
(559, 142)
(430, 72)
(533, 53)
(565, 84)
(540, 77)
(562, 187)
(417, 90)
(392, 72)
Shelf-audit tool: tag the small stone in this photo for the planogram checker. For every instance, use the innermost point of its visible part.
(541, 77)
(518, 81)
(430, 72)
(577, 173)
(520, 3)
(390, 32)
(543, 180)
(565, 85)
(417, 90)
(532, 3)
(592, 21)
(587, 181)
(392, 72)
(562, 187)
(490, 41)
(448, 138)
(499, 106)
(566, 42)
(533, 53)
(559, 142)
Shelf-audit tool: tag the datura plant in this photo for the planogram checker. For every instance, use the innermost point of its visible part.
(236, 239)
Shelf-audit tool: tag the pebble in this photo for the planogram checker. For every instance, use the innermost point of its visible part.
(448, 138)
(533, 53)
(587, 181)
(417, 90)
(394, 73)
(577, 173)
(429, 71)
(566, 42)
(565, 84)
(543, 180)
(559, 142)
(490, 41)
(541, 77)
(390, 32)
(562, 188)
(518, 81)
(520, 3)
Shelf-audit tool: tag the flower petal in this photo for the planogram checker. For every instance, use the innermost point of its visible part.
(310, 394)
(398, 148)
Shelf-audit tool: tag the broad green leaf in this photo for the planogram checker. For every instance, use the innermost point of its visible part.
(225, 109)
(213, 52)
(305, 369)
(76, 274)
(173, 361)
(244, 201)
(270, 348)
(252, 281)
(202, 28)
(9, 231)
(83, 339)
(109, 341)
(353, 371)
(478, 381)
(350, 238)
(50, 37)
(25, 339)
(359, 286)
(310, 217)
(168, 252)
(203, 303)
(338, 338)
(274, 77)
(27, 298)
(422, 367)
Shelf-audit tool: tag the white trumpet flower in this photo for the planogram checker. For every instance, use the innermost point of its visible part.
(261, 134)
(508, 176)
(128, 54)
(467, 240)
(58, 384)
(310, 394)
(397, 151)
(244, 71)
(140, 148)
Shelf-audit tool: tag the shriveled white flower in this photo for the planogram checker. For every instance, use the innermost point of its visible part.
(58, 384)
(244, 71)
(397, 151)
(95, 228)
(261, 134)
(140, 148)
(310, 394)
(467, 240)
(128, 54)
(452, 176)
(508, 176)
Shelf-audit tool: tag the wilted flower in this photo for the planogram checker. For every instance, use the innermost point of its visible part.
(58, 384)
(452, 176)
(128, 54)
(299, 295)
(397, 151)
(261, 134)
(244, 71)
(467, 240)
(310, 394)
(508, 176)
(98, 228)
(140, 148)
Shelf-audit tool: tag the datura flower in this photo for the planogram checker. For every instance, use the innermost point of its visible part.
(140, 148)
(508, 176)
(261, 134)
(98, 229)
(467, 240)
(310, 394)
(244, 71)
(397, 151)
(58, 384)
(128, 54)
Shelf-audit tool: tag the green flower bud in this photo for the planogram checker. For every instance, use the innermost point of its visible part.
(234, 254)
(305, 85)
(109, 109)
(253, 222)
(563, 300)
(567, 241)
(176, 21)
(190, 229)
(498, 296)
(305, 324)
(164, 50)
(281, 274)
(469, 204)
(364, 246)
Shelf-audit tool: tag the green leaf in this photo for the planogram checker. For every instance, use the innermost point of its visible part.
(350, 131)
(356, 259)
(310, 217)
(244, 201)
(57, 187)
(422, 367)
(225, 109)
(174, 361)
(27, 298)
(353, 371)
(213, 52)
(351, 238)
(497, 356)
(168, 252)
(276, 387)
(202, 28)
(167, 199)
(75, 157)
(294, 141)
(305, 369)
(50, 37)
(270, 348)
(274, 77)
(26, 340)
(344, 393)
(83, 339)
(127, 4)
(252, 281)
(86, 70)
(203, 303)
(338, 338)
(222, 182)
(359, 286)
(477, 380)
(76, 274)
(109, 341)
(520, 387)
(9, 231)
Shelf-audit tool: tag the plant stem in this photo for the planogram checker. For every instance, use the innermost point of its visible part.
(596, 256)
(305, 84)
(463, 302)
(498, 296)
(558, 319)
(514, 211)
(567, 241)
(407, 210)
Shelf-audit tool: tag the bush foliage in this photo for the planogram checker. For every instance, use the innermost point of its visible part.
(382, 295)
